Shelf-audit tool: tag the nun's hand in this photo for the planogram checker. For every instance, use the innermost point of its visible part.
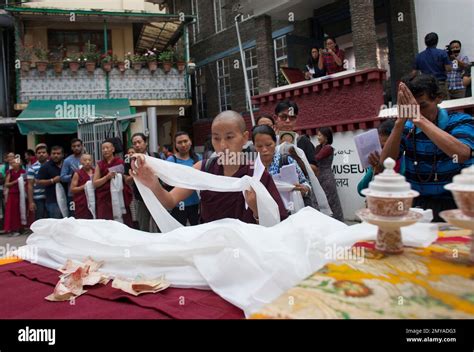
(251, 198)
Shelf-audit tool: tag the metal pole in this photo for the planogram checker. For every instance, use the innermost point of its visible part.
(244, 68)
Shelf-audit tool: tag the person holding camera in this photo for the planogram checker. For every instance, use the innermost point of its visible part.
(333, 57)
(456, 88)
(434, 61)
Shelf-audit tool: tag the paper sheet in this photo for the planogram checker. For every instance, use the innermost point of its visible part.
(366, 143)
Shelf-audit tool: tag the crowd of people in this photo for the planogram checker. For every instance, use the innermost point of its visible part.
(53, 186)
(450, 66)
(325, 61)
(429, 149)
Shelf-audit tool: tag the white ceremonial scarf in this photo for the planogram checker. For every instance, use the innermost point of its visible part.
(89, 190)
(295, 202)
(62, 200)
(183, 176)
(315, 185)
(21, 188)
(116, 194)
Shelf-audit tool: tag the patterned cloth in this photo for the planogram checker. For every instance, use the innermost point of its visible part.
(455, 76)
(421, 283)
(32, 174)
(460, 126)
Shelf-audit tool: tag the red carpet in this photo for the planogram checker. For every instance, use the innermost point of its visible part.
(23, 287)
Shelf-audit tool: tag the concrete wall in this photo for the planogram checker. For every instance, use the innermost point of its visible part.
(453, 19)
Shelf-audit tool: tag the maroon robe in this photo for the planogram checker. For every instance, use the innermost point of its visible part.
(81, 209)
(220, 205)
(12, 220)
(103, 199)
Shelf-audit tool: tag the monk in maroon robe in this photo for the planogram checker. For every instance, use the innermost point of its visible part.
(220, 205)
(78, 182)
(229, 134)
(101, 181)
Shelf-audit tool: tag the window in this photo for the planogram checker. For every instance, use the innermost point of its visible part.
(200, 94)
(281, 56)
(223, 84)
(195, 12)
(252, 70)
(75, 41)
(218, 15)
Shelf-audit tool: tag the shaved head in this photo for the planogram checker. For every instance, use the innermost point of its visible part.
(233, 117)
(86, 155)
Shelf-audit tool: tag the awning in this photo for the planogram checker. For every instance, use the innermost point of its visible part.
(61, 116)
(159, 35)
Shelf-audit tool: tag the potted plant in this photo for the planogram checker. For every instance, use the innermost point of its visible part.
(91, 56)
(166, 57)
(136, 60)
(56, 59)
(121, 63)
(42, 58)
(151, 58)
(180, 60)
(74, 62)
(107, 61)
(25, 53)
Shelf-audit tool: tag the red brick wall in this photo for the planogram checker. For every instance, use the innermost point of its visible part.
(342, 103)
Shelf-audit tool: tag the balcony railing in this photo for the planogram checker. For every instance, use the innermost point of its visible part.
(136, 85)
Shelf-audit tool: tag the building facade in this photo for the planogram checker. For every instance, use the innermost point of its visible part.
(276, 36)
(56, 40)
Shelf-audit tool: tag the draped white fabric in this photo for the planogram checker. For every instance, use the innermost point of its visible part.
(21, 188)
(247, 264)
(90, 197)
(296, 199)
(116, 195)
(62, 200)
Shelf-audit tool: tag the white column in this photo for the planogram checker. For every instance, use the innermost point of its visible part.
(153, 130)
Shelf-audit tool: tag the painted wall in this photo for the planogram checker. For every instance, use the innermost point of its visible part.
(453, 19)
(121, 34)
